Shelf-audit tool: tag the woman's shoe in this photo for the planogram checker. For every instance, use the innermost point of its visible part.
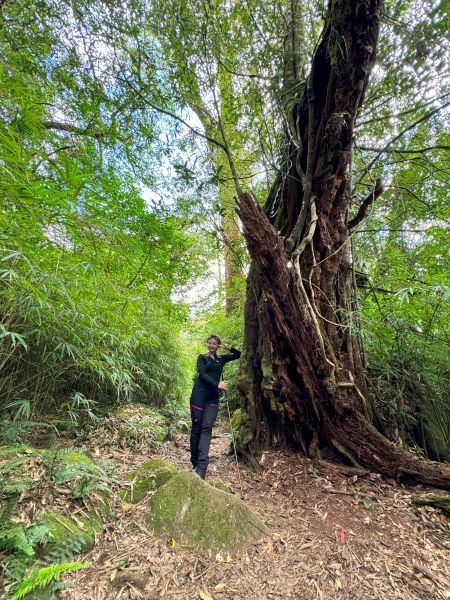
(200, 472)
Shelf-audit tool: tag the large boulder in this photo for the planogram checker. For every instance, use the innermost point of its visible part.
(196, 514)
(149, 476)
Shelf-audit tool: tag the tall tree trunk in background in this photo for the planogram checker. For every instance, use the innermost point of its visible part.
(230, 233)
(301, 368)
(231, 237)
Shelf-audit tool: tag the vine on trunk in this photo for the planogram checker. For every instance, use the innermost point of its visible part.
(301, 369)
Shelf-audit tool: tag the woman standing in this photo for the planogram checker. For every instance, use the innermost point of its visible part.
(205, 400)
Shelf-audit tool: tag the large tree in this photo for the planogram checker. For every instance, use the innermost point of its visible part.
(301, 370)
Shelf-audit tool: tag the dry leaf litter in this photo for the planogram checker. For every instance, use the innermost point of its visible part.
(336, 533)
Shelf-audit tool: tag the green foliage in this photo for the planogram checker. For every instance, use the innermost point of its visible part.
(43, 577)
(54, 538)
(369, 505)
(14, 477)
(90, 271)
(312, 470)
(19, 543)
(89, 482)
(22, 540)
(402, 245)
(87, 267)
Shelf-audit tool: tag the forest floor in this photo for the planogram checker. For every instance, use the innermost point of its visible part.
(336, 533)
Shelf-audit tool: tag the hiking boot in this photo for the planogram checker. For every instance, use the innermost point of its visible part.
(200, 472)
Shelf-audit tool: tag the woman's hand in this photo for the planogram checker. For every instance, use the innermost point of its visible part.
(223, 385)
(226, 346)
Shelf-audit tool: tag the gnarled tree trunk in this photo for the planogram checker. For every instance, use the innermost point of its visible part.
(301, 370)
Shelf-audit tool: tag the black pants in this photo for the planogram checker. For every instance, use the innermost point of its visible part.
(202, 422)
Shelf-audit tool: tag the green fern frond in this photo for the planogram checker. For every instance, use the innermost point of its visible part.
(15, 539)
(14, 568)
(63, 552)
(36, 533)
(44, 576)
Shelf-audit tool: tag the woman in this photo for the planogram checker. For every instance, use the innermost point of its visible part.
(205, 400)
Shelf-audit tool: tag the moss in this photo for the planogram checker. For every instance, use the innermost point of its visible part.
(236, 420)
(76, 458)
(244, 434)
(10, 451)
(65, 532)
(217, 483)
(196, 514)
(69, 457)
(441, 501)
(73, 466)
(149, 476)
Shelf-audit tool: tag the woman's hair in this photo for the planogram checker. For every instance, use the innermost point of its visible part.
(214, 337)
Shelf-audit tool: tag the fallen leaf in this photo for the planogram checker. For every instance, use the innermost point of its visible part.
(204, 596)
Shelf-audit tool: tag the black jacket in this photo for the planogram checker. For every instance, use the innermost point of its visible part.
(209, 371)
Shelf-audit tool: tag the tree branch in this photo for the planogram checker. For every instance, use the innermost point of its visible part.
(174, 116)
(404, 112)
(398, 151)
(71, 128)
(399, 135)
(366, 203)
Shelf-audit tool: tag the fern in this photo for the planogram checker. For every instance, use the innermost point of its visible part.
(15, 567)
(43, 577)
(16, 539)
(37, 533)
(19, 543)
(12, 480)
(63, 552)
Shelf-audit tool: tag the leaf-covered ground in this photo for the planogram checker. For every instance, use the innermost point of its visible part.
(336, 533)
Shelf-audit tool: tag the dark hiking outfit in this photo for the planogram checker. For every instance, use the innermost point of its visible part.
(205, 406)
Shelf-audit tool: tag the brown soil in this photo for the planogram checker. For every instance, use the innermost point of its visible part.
(336, 533)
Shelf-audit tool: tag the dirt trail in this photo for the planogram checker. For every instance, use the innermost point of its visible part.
(334, 535)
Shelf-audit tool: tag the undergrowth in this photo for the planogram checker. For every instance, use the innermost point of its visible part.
(31, 559)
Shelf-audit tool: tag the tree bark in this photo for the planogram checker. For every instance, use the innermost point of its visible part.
(302, 369)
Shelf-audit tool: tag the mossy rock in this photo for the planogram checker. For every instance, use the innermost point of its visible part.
(67, 456)
(66, 532)
(198, 515)
(149, 476)
(72, 465)
(220, 485)
(139, 423)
